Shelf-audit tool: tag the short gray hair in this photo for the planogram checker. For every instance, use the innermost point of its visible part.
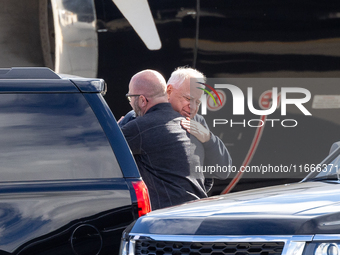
(182, 73)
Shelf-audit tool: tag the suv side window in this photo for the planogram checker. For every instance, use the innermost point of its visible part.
(52, 137)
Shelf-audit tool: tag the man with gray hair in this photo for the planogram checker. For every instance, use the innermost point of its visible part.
(161, 147)
(184, 97)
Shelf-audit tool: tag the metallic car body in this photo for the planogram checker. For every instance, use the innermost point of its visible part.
(297, 209)
(40, 217)
(289, 219)
(43, 209)
(223, 38)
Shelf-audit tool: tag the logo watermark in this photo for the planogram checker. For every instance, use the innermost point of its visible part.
(270, 101)
(266, 169)
(238, 100)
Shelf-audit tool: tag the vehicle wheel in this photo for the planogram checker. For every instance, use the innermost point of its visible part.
(47, 35)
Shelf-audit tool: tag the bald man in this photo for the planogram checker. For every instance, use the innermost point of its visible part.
(184, 97)
(160, 145)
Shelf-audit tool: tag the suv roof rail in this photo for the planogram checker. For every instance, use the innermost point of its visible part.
(28, 73)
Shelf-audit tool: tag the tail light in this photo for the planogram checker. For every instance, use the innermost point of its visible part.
(143, 200)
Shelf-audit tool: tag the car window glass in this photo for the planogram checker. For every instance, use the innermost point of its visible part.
(52, 137)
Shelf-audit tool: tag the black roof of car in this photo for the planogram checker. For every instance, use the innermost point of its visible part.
(44, 80)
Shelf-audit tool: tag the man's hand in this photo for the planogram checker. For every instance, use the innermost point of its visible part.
(196, 129)
(121, 118)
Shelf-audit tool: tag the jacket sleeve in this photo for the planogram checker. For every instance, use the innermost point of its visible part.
(131, 115)
(132, 136)
(216, 153)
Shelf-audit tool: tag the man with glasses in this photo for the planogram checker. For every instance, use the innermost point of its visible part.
(184, 98)
(161, 147)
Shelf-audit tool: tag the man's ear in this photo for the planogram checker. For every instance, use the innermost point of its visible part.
(144, 100)
(169, 90)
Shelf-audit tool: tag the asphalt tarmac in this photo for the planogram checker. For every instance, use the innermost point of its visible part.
(19, 34)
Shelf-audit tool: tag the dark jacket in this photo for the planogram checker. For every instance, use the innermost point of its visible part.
(164, 155)
(215, 151)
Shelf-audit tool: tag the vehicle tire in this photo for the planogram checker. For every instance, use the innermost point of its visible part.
(47, 34)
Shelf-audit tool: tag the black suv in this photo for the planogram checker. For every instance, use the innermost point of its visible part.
(293, 219)
(69, 184)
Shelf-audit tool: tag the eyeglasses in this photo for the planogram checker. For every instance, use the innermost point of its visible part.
(128, 96)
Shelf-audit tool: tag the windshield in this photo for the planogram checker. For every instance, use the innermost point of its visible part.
(329, 169)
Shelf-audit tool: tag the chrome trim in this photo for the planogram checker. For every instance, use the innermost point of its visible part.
(212, 238)
(293, 244)
(132, 245)
(76, 41)
(335, 237)
(293, 248)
